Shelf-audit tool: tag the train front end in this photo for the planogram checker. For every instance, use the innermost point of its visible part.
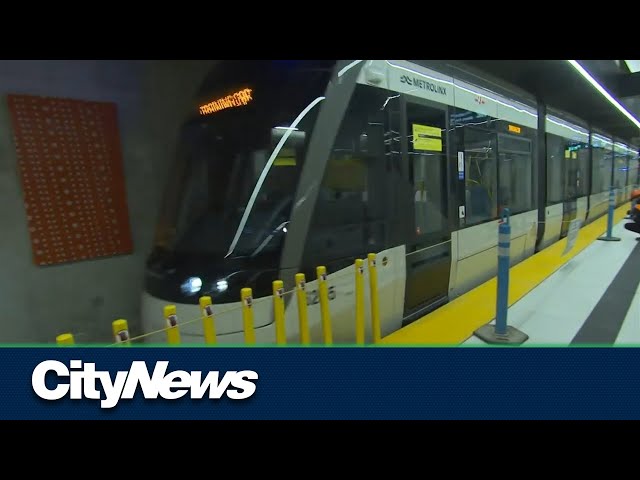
(229, 197)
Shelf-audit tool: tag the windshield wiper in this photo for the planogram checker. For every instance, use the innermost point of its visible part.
(265, 242)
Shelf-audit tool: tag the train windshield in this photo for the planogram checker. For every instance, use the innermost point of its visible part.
(239, 162)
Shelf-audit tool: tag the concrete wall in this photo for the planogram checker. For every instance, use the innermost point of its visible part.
(84, 298)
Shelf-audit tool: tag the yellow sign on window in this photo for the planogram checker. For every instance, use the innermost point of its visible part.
(427, 138)
(346, 174)
(574, 155)
(285, 162)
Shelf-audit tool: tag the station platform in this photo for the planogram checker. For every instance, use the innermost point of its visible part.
(588, 296)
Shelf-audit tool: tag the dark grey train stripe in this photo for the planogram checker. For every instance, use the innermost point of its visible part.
(605, 320)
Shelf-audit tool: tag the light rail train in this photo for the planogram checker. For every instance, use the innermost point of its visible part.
(287, 165)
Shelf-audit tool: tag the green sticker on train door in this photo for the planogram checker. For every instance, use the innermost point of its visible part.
(427, 138)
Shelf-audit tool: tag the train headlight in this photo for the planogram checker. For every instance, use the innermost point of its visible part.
(192, 285)
(222, 285)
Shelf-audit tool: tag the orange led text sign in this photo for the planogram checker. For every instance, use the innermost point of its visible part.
(514, 129)
(237, 99)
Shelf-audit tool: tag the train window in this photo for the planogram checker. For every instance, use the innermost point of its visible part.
(474, 135)
(266, 224)
(567, 169)
(210, 209)
(480, 175)
(219, 213)
(426, 129)
(632, 179)
(582, 169)
(555, 162)
(602, 164)
(515, 164)
(351, 216)
(620, 168)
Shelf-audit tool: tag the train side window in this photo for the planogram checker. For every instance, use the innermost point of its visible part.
(474, 135)
(632, 179)
(608, 170)
(576, 158)
(601, 171)
(567, 169)
(480, 175)
(582, 184)
(596, 169)
(555, 162)
(351, 216)
(515, 164)
(620, 169)
(426, 129)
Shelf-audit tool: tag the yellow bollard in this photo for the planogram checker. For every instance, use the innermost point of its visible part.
(173, 331)
(373, 293)
(323, 293)
(303, 319)
(208, 323)
(246, 295)
(278, 312)
(121, 332)
(359, 301)
(65, 339)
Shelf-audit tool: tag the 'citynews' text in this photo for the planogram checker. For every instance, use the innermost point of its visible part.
(80, 380)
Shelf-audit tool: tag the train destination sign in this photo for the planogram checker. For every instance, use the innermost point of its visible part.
(237, 99)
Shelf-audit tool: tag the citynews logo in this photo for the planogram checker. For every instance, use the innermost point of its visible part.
(82, 381)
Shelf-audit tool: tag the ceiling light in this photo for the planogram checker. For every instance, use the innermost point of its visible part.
(603, 91)
(633, 65)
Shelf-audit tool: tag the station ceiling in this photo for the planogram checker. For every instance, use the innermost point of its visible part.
(560, 86)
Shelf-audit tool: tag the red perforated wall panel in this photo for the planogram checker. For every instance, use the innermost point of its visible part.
(70, 164)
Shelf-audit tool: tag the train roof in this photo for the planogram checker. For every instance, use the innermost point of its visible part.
(567, 93)
(554, 82)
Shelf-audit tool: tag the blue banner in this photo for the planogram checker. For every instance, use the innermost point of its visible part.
(319, 383)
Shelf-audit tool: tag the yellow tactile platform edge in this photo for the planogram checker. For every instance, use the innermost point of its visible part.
(456, 321)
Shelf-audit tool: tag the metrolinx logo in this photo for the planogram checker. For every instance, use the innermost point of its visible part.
(423, 84)
(82, 381)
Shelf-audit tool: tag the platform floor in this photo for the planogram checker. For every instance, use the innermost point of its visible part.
(593, 299)
(589, 296)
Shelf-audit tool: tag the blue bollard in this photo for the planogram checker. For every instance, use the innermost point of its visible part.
(612, 206)
(504, 258)
(501, 333)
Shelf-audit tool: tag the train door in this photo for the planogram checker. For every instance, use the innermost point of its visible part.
(570, 187)
(426, 218)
